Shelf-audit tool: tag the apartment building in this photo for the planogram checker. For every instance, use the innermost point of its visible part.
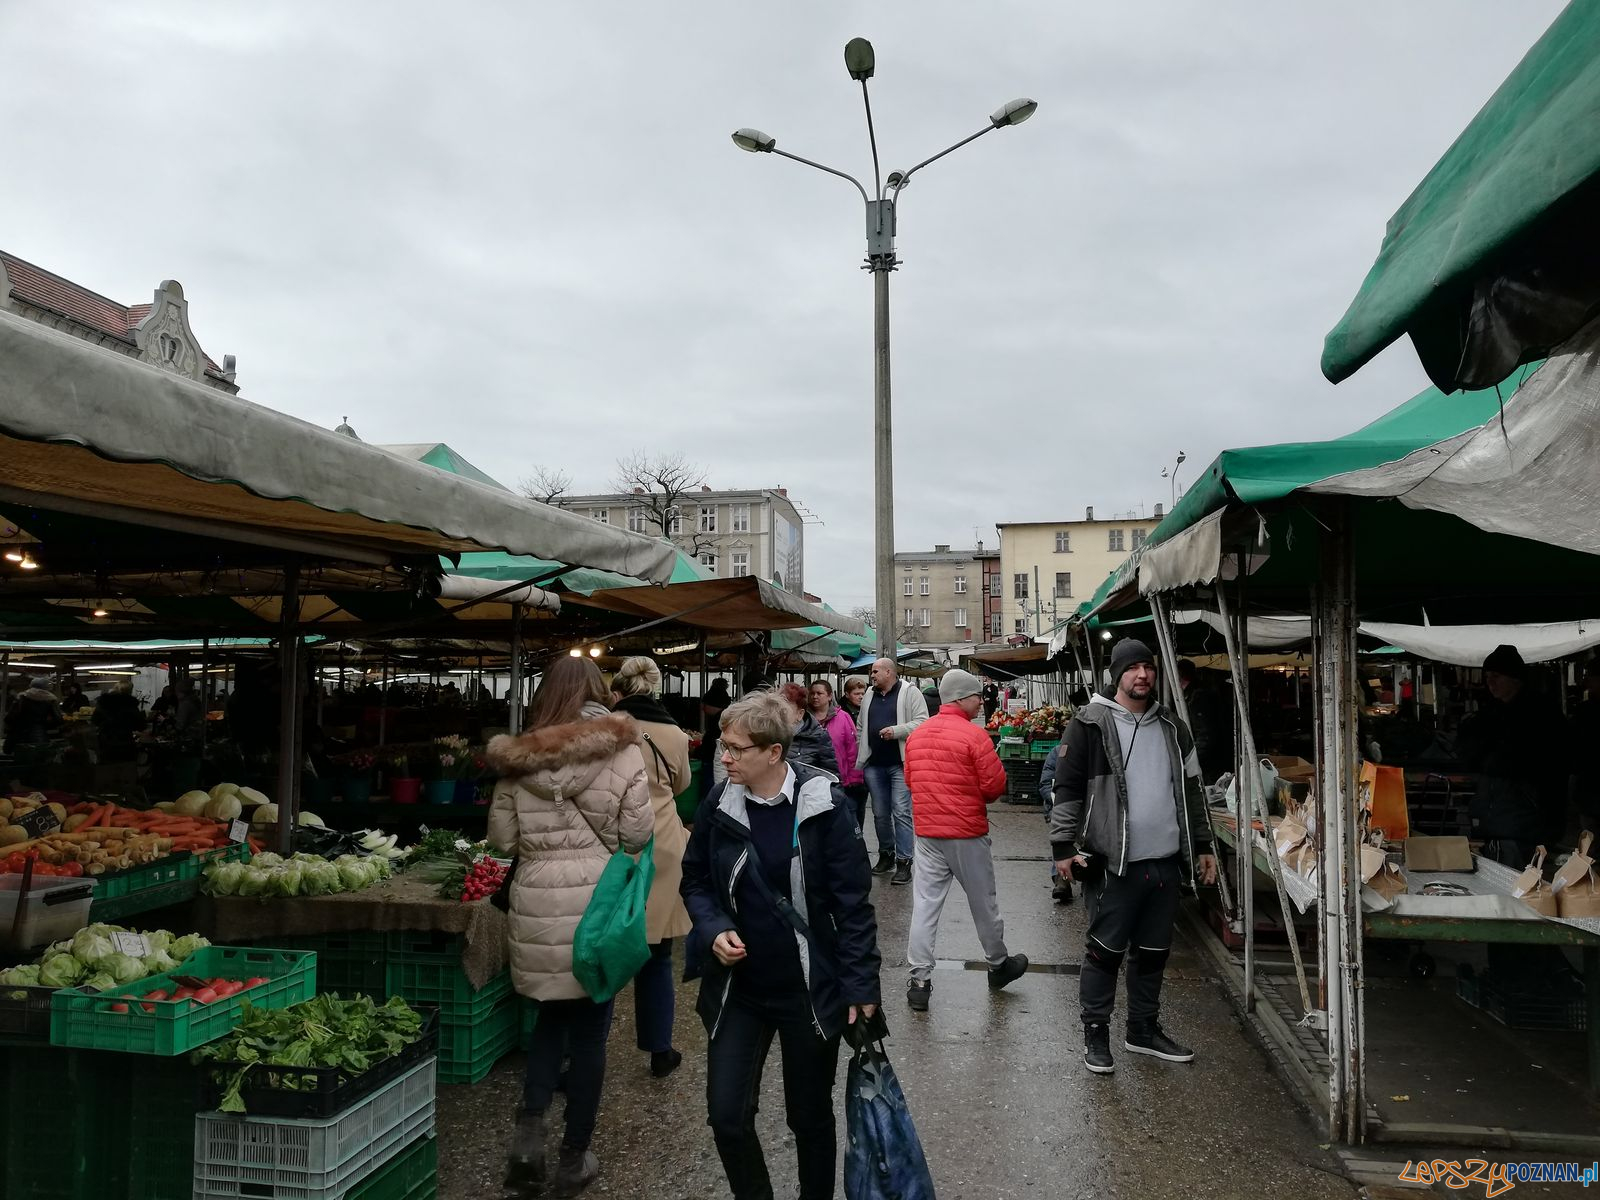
(1048, 568)
(944, 595)
(732, 532)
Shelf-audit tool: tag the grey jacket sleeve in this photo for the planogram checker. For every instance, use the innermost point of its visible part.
(914, 710)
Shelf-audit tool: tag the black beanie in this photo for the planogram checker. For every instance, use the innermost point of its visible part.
(1125, 654)
(1505, 660)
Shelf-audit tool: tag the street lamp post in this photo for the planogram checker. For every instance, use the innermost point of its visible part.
(881, 259)
(1172, 473)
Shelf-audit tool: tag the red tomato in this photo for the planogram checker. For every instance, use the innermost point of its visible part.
(183, 993)
(119, 1008)
(205, 995)
(72, 869)
(43, 869)
(228, 987)
(257, 981)
(15, 862)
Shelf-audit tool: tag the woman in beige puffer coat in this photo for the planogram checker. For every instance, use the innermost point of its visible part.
(635, 689)
(573, 790)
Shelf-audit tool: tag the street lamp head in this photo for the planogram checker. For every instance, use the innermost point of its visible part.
(1182, 457)
(858, 58)
(1014, 113)
(753, 140)
(897, 179)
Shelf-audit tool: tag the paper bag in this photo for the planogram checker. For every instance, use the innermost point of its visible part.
(1530, 887)
(1379, 874)
(1577, 884)
(1438, 854)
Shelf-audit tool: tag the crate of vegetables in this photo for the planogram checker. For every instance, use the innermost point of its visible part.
(315, 1059)
(182, 1010)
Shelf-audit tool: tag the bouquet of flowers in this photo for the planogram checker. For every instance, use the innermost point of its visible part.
(358, 764)
(397, 766)
(451, 757)
(1046, 722)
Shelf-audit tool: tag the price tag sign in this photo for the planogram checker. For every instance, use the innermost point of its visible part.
(423, 831)
(238, 831)
(38, 822)
(136, 945)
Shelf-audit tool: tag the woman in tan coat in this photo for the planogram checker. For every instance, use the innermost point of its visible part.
(635, 688)
(573, 789)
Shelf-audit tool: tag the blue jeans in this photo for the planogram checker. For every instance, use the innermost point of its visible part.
(891, 809)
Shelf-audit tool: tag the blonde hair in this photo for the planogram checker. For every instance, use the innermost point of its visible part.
(765, 717)
(851, 681)
(637, 676)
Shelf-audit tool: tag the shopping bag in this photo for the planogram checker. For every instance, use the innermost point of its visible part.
(611, 944)
(1577, 884)
(1531, 888)
(1381, 875)
(883, 1157)
(1383, 794)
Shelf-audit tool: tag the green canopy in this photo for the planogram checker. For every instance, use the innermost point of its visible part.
(585, 581)
(1531, 146)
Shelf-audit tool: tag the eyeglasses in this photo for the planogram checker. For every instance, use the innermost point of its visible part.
(736, 751)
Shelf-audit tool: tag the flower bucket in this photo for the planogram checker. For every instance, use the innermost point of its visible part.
(439, 791)
(404, 791)
(356, 789)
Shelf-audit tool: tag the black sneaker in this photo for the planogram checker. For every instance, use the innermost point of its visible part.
(665, 1062)
(1008, 971)
(1097, 1049)
(902, 871)
(917, 993)
(1061, 890)
(1152, 1041)
(885, 862)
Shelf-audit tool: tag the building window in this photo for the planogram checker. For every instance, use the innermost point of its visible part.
(741, 518)
(1019, 586)
(905, 586)
(1022, 625)
(708, 560)
(997, 625)
(961, 585)
(908, 621)
(1063, 541)
(637, 519)
(708, 518)
(741, 563)
(674, 521)
(603, 515)
(1114, 540)
(927, 618)
(1063, 585)
(994, 586)
(1138, 538)
(925, 588)
(961, 618)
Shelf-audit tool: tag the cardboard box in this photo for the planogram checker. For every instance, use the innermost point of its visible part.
(1438, 854)
(1292, 769)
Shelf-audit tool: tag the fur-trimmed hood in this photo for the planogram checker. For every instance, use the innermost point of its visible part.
(562, 760)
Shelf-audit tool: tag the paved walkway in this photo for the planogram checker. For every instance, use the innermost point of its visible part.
(995, 1082)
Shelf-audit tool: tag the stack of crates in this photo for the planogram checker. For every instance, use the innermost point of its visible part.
(477, 1028)
(349, 963)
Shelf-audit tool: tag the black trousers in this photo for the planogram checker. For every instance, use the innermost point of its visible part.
(733, 1090)
(1129, 912)
(579, 1028)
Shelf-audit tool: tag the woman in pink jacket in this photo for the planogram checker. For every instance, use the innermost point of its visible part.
(841, 727)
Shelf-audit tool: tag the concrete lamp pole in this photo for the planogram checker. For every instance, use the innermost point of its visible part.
(881, 259)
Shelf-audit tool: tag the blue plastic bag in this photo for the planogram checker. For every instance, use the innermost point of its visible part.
(883, 1158)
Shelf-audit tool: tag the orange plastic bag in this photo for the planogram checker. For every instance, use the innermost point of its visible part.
(1383, 794)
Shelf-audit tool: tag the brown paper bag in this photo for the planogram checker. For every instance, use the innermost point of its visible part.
(1577, 884)
(1438, 854)
(1532, 889)
(1379, 874)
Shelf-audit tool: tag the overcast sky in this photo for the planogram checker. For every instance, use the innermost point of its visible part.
(522, 228)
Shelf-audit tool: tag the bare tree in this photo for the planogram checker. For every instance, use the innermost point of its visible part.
(865, 612)
(657, 484)
(546, 485)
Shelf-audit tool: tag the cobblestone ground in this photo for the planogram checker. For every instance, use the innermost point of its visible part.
(995, 1083)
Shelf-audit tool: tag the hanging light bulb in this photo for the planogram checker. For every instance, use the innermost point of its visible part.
(29, 563)
(575, 652)
(14, 556)
(594, 651)
(100, 610)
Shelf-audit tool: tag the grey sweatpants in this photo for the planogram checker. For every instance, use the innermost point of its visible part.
(968, 862)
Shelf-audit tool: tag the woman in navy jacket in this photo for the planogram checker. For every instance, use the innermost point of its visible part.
(777, 883)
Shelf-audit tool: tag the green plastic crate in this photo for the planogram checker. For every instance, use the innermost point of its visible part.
(119, 909)
(165, 870)
(444, 985)
(353, 963)
(162, 1099)
(427, 944)
(412, 1176)
(177, 1026)
(1041, 750)
(1013, 750)
(469, 1051)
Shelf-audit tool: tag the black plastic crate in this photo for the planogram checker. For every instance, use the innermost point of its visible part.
(25, 1014)
(316, 1092)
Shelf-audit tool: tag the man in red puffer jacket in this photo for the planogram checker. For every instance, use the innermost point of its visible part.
(954, 775)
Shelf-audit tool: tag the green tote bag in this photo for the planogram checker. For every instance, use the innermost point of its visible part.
(611, 944)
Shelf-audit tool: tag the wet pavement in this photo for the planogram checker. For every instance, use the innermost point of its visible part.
(994, 1080)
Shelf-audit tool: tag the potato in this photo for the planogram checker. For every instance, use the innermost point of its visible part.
(11, 835)
(71, 824)
(60, 811)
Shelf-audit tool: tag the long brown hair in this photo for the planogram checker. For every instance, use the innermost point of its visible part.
(568, 684)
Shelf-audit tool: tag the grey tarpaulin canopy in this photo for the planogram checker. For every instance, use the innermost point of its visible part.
(723, 605)
(84, 429)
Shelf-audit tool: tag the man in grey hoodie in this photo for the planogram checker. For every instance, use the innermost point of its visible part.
(1129, 821)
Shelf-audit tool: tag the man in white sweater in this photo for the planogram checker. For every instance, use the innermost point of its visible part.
(889, 712)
